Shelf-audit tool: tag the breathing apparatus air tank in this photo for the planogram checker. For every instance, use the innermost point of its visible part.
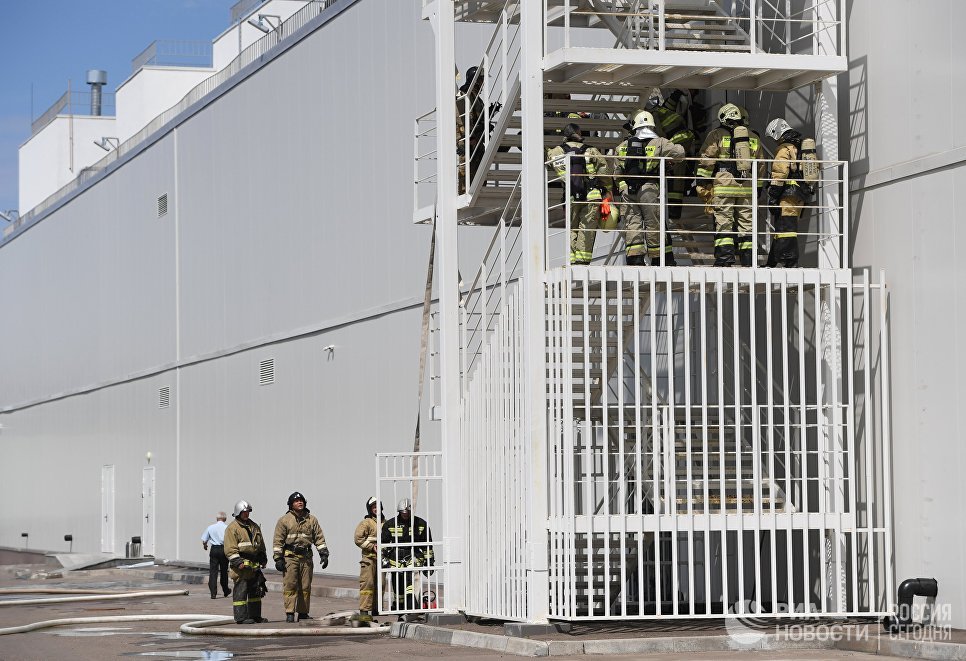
(742, 150)
(809, 159)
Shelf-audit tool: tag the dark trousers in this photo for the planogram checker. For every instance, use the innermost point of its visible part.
(217, 569)
(246, 604)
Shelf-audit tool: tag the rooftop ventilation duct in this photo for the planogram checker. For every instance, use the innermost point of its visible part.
(96, 78)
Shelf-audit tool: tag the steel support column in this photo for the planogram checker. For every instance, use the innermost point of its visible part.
(447, 288)
(535, 350)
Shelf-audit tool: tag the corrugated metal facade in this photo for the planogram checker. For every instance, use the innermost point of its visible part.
(907, 142)
(287, 230)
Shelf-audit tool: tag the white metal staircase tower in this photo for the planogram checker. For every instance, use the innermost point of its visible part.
(632, 442)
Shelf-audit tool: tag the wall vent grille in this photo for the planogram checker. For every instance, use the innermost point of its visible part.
(266, 372)
(164, 397)
(163, 205)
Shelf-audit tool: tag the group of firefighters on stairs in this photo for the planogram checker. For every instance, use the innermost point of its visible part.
(408, 546)
(723, 180)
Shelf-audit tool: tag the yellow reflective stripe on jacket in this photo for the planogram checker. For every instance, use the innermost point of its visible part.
(733, 191)
(704, 173)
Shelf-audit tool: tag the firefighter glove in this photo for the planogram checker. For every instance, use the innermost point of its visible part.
(324, 558)
(280, 564)
(236, 562)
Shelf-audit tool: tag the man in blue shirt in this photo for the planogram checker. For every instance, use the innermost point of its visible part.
(217, 562)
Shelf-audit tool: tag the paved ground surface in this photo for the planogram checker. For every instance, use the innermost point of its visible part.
(162, 640)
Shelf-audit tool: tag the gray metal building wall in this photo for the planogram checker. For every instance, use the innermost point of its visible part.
(288, 230)
(905, 91)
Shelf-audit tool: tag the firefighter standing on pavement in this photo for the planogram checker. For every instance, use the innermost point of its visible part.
(731, 191)
(366, 538)
(412, 547)
(296, 532)
(588, 169)
(245, 550)
(787, 192)
(637, 174)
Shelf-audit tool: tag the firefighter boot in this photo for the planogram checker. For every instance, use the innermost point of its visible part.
(240, 613)
(255, 612)
(636, 260)
(290, 617)
(724, 251)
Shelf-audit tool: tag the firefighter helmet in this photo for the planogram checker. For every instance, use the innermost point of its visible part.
(370, 503)
(572, 132)
(241, 506)
(296, 495)
(644, 119)
(745, 119)
(404, 505)
(730, 115)
(777, 128)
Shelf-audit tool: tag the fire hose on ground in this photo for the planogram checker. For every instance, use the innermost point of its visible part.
(198, 624)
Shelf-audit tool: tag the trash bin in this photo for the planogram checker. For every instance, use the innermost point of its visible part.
(133, 548)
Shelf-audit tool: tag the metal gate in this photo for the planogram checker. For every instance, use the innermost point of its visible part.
(411, 576)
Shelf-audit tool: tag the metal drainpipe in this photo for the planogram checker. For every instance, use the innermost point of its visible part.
(908, 590)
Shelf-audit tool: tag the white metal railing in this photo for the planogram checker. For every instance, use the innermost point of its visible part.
(412, 566)
(248, 56)
(497, 465)
(425, 163)
(482, 303)
(682, 483)
(823, 226)
(73, 102)
(488, 93)
(174, 52)
(750, 26)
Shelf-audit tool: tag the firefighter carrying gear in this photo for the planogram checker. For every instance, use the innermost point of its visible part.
(295, 534)
(732, 188)
(588, 170)
(787, 192)
(366, 538)
(637, 173)
(675, 128)
(412, 547)
(245, 549)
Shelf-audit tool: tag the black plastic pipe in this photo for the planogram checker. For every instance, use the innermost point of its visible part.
(908, 590)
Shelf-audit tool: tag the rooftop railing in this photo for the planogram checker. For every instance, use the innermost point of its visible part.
(72, 103)
(174, 53)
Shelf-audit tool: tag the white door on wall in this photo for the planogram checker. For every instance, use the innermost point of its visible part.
(107, 508)
(147, 511)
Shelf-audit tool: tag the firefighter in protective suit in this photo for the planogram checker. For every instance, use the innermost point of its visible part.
(637, 174)
(588, 170)
(406, 529)
(366, 538)
(245, 550)
(296, 532)
(731, 191)
(787, 192)
(674, 127)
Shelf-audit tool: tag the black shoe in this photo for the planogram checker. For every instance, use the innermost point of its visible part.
(227, 592)
(261, 620)
(248, 621)
(290, 617)
(214, 596)
(305, 616)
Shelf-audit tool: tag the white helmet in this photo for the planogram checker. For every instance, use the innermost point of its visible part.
(730, 114)
(644, 119)
(404, 504)
(777, 128)
(241, 506)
